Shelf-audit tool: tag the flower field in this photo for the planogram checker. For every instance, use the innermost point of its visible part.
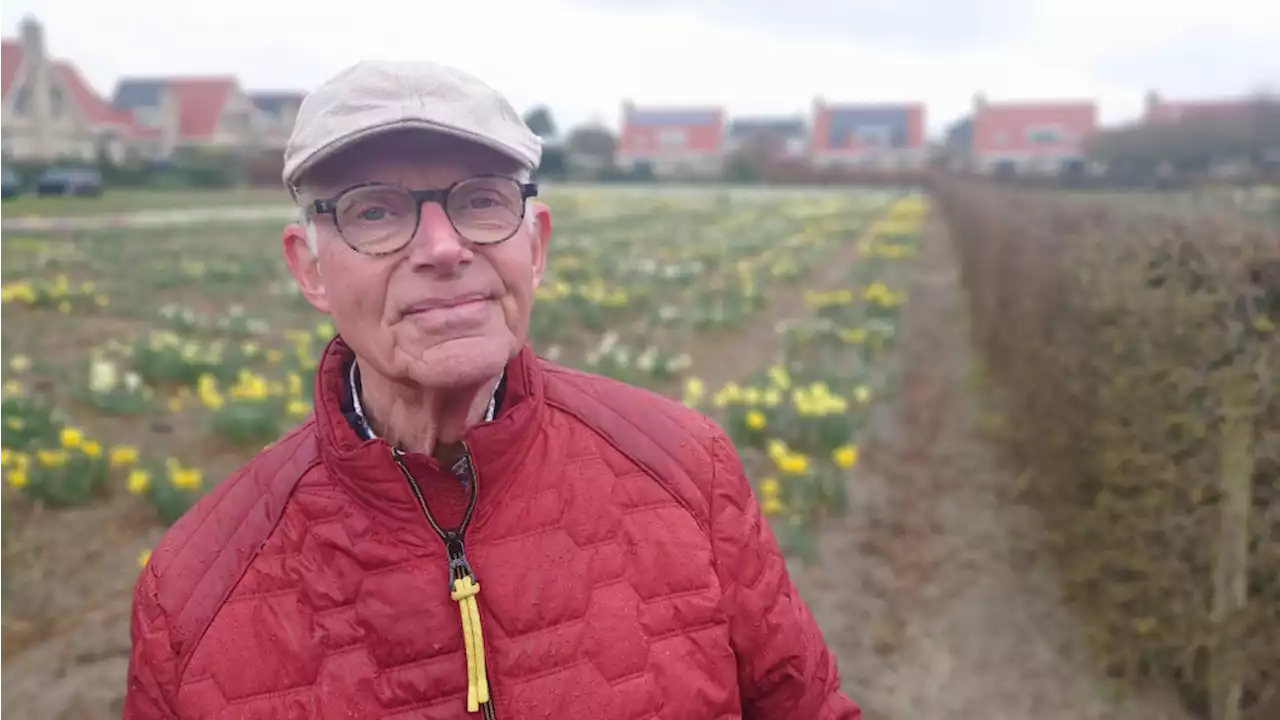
(151, 363)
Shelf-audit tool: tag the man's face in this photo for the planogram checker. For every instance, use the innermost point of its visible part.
(442, 312)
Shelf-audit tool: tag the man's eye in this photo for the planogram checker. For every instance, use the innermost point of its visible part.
(482, 203)
(373, 214)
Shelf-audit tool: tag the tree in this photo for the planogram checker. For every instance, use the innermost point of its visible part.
(541, 123)
(591, 149)
(1190, 147)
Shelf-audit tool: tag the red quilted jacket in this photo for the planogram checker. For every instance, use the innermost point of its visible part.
(624, 571)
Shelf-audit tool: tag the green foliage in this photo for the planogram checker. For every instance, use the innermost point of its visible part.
(540, 122)
(1110, 336)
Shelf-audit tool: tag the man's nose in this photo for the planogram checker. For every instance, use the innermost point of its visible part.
(437, 244)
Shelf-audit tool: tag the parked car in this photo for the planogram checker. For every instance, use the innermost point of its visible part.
(70, 181)
(12, 184)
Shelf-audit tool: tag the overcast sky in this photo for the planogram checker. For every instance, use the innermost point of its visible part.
(583, 57)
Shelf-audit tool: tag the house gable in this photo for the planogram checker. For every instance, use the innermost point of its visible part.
(656, 132)
(201, 103)
(1044, 129)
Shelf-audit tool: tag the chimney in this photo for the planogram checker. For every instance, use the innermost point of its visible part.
(32, 37)
(979, 102)
(1152, 102)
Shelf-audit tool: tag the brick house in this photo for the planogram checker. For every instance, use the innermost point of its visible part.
(193, 112)
(51, 113)
(873, 136)
(683, 142)
(1045, 137)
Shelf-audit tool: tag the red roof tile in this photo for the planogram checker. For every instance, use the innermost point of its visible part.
(200, 103)
(11, 59)
(96, 110)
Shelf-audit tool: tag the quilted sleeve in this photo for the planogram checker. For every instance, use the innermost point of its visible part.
(785, 670)
(153, 665)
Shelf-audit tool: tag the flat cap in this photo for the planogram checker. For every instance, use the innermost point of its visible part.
(370, 98)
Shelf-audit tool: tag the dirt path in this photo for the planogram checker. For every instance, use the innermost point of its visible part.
(149, 218)
(931, 610)
(722, 360)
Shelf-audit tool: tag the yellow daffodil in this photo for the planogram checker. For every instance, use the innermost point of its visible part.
(769, 487)
(184, 478)
(793, 464)
(139, 481)
(71, 438)
(845, 456)
(123, 456)
(52, 458)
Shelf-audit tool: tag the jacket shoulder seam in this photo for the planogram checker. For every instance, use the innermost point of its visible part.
(664, 482)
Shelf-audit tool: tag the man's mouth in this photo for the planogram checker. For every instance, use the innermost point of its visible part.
(445, 303)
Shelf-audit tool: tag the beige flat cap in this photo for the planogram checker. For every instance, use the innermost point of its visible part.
(370, 98)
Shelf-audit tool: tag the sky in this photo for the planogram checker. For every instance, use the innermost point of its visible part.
(583, 58)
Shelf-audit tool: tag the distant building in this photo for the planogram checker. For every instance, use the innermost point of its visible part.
(1045, 137)
(1244, 120)
(775, 138)
(185, 112)
(871, 136)
(1158, 110)
(673, 142)
(50, 113)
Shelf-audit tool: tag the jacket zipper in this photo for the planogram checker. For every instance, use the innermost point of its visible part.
(463, 586)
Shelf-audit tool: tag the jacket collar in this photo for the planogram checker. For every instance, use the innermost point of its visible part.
(365, 469)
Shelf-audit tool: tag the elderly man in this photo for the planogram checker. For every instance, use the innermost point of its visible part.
(463, 527)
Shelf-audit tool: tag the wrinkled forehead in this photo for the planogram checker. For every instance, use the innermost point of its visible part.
(413, 159)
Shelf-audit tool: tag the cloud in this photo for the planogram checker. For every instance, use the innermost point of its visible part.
(930, 26)
(1210, 60)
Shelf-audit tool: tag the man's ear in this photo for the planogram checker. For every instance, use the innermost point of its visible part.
(541, 239)
(305, 266)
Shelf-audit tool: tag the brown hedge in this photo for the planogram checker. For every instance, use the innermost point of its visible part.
(1111, 336)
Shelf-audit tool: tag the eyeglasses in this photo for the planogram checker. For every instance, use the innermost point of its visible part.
(380, 219)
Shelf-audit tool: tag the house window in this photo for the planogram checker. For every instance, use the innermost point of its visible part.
(149, 116)
(55, 101)
(22, 101)
(873, 136)
(671, 138)
(1044, 136)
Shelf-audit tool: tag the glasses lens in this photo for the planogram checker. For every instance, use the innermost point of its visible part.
(486, 210)
(376, 219)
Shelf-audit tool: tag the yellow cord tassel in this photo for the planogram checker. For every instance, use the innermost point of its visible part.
(464, 593)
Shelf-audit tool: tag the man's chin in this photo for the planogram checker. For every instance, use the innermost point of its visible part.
(458, 362)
